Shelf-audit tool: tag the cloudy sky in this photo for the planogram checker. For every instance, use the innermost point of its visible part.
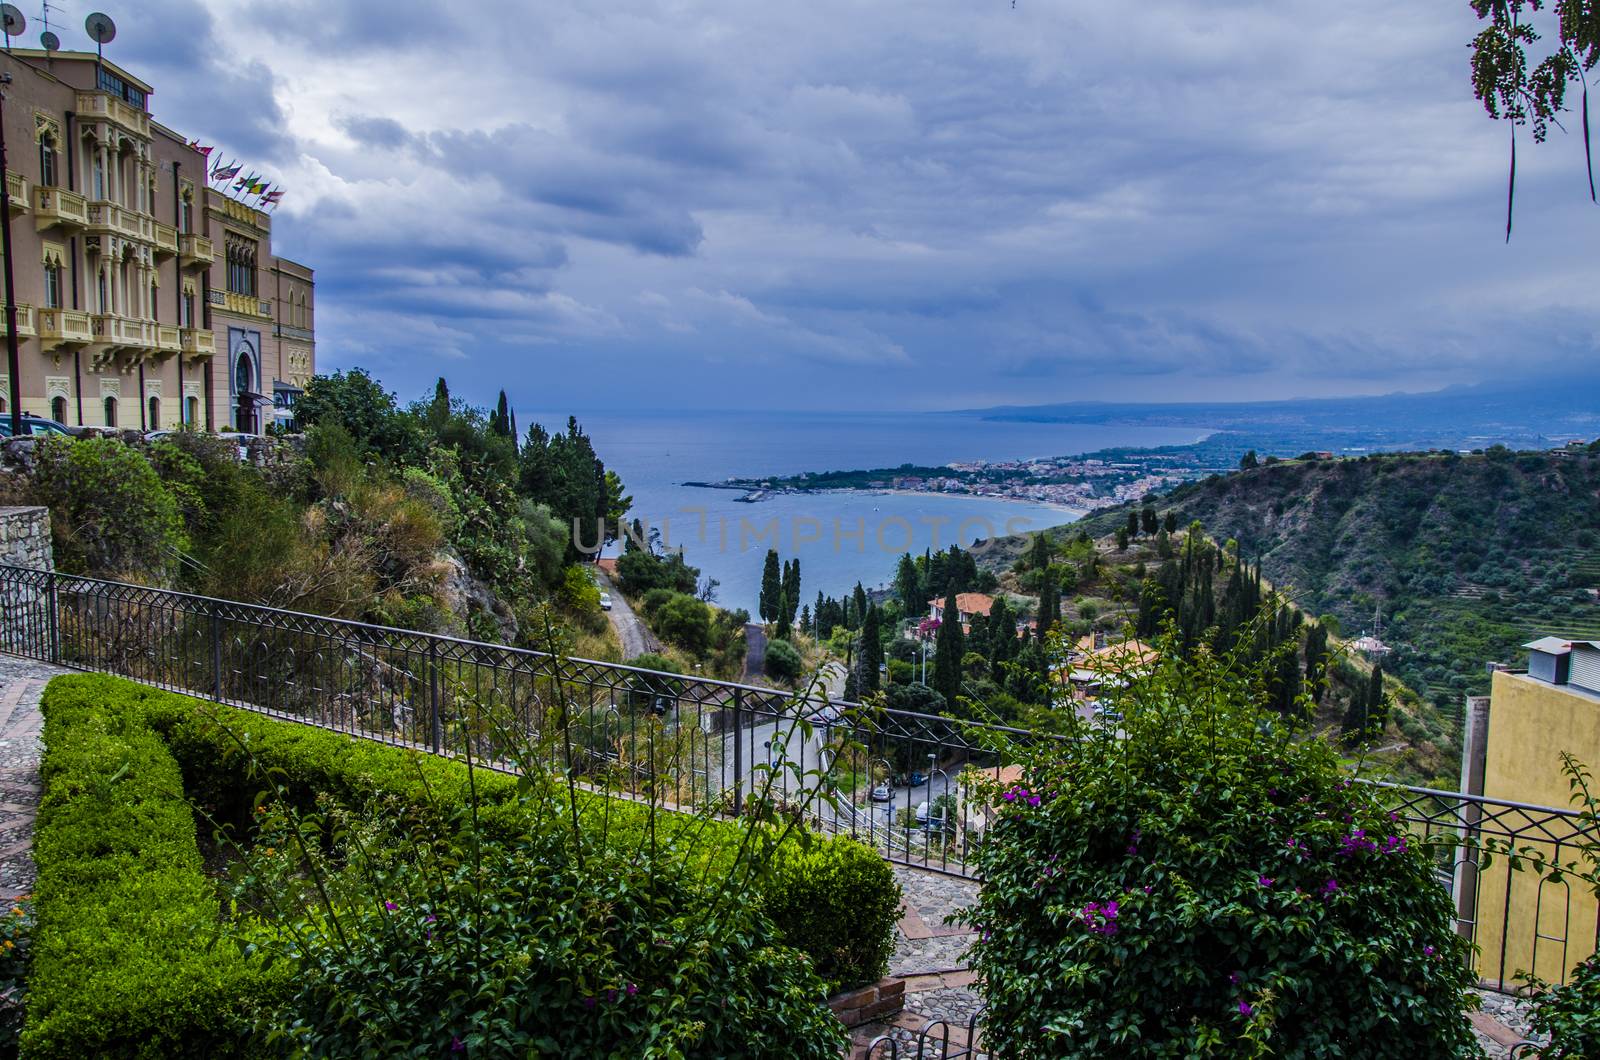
(938, 204)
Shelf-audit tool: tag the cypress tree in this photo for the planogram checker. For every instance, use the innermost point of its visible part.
(1133, 529)
(500, 419)
(1147, 520)
(871, 654)
(860, 599)
(1049, 602)
(791, 586)
(948, 649)
(805, 619)
(1377, 702)
(771, 587)
(782, 632)
(1170, 522)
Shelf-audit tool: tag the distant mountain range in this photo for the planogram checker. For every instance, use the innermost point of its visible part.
(1526, 413)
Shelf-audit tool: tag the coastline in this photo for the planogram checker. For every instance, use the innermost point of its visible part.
(887, 491)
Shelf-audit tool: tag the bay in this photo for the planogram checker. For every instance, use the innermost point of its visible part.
(841, 538)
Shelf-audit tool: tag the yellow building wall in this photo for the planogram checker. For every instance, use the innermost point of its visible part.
(1544, 927)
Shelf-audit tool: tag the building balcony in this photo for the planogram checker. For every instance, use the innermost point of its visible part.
(17, 188)
(115, 219)
(102, 106)
(25, 321)
(58, 206)
(63, 327)
(166, 239)
(197, 342)
(167, 340)
(113, 336)
(245, 305)
(194, 250)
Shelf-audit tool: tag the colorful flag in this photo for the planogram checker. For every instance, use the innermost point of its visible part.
(259, 186)
(206, 151)
(226, 172)
(272, 197)
(244, 182)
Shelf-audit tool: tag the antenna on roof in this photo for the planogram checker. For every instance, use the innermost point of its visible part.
(48, 39)
(102, 31)
(14, 22)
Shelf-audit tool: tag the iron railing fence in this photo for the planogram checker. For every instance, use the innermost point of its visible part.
(893, 779)
(897, 780)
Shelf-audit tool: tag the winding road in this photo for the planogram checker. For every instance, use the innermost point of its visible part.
(634, 636)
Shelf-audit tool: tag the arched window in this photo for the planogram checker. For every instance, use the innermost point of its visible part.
(155, 414)
(111, 412)
(243, 375)
(58, 409)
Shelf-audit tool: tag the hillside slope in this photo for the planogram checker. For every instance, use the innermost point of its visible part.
(1461, 557)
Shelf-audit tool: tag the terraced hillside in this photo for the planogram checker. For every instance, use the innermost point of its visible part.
(1461, 557)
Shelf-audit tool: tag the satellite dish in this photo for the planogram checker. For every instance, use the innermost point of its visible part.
(50, 41)
(14, 22)
(100, 27)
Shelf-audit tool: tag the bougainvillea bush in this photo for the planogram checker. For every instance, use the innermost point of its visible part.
(1204, 880)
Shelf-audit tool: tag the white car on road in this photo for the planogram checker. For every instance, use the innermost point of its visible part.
(605, 601)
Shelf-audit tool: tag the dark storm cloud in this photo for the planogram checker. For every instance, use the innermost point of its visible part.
(938, 204)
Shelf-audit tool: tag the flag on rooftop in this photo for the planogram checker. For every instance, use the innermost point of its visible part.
(226, 172)
(272, 197)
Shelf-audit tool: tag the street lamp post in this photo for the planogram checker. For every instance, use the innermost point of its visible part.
(14, 398)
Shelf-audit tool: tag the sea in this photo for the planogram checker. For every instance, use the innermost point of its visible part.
(841, 538)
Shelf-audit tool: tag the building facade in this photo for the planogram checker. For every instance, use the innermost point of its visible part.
(145, 298)
(1514, 741)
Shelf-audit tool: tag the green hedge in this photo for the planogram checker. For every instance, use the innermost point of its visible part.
(124, 963)
(836, 901)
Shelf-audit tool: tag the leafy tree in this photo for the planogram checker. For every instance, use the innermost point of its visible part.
(1248, 461)
(365, 409)
(1509, 90)
(110, 514)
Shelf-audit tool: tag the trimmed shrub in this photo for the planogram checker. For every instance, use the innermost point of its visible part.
(126, 961)
(1202, 880)
(834, 899)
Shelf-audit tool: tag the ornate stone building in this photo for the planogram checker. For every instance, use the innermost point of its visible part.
(145, 298)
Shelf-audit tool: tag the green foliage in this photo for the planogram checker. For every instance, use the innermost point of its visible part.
(1203, 880)
(125, 962)
(111, 515)
(526, 950)
(217, 773)
(680, 619)
(839, 903)
(368, 412)
(640, 569)
(1570, 1014)
(783, 661)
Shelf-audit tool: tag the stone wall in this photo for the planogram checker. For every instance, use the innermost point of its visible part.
(25, 538)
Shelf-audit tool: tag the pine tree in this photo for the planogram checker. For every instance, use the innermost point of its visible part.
(908, 586)
(1147, 521)
(1316, 650)
(782, 619)
(948, 649)
(1132, 530)
(1049, 602)
(859, 598)
(1355, 716)
(805, 619)
(1039, 557)
(1170, 522)
(771, 587)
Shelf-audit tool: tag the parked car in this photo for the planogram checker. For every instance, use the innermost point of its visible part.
(881, 793)
(35, 425)
(605, 601)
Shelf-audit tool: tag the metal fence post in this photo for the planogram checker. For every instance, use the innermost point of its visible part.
(738, 752)
(435, 722)
(216, 654)
(52, 602)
